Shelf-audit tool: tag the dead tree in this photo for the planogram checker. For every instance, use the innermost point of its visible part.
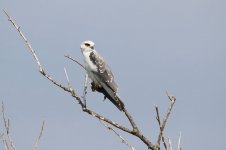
(134, 130)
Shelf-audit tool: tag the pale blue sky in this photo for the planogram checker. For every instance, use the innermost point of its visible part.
(152, 47)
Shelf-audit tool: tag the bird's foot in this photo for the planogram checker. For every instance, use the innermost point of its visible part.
(93, 87)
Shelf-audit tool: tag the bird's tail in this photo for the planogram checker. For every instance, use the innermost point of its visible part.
(115, 99)
(112, 96)
(117, 102)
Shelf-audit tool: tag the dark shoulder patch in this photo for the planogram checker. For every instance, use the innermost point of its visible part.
(97, 60)
(92, 58)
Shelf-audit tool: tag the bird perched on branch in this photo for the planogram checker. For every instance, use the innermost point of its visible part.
(100, 74)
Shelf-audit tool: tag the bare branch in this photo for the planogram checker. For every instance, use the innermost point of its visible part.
(6, 124)
(123, 140)
(159, 122)
(132, 122)
(170, 144)
(68, 81)
(179, 143)
(162, 127)
(171, 98)
(161, 131)
(5, 119)
(172, 101)
(26, 41)
(85, 88)
(40, 135)
(69, 57)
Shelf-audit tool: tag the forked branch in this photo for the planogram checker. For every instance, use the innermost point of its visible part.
(163, 124)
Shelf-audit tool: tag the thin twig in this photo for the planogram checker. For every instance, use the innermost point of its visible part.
(179, 142)
(6, 123)
(171, 98)
(85, 89)
(26, 41)
(4, 119)
(40, 135)
(170, 144)
(86, 78)
(68, 81)
(159, 123)
(69, 57)
(123, 140)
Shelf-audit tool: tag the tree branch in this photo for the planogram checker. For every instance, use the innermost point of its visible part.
(123, 140)
(159, 122)
(40, 135)
(68, 81)
(7, 133)
(85, 88)
(26, 41)
(179, 143)
(69, 57)
(170, 144)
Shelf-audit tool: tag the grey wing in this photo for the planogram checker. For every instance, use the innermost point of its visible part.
(106, 79)
(104, 74)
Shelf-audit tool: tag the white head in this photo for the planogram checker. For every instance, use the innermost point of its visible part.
(87, 46)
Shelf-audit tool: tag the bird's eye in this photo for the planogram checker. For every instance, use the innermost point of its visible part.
(87, 44)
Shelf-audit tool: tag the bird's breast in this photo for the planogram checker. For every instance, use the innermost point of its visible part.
(88, 63)
(90, 67)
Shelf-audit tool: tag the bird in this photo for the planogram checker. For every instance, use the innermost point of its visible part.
(100, 73)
